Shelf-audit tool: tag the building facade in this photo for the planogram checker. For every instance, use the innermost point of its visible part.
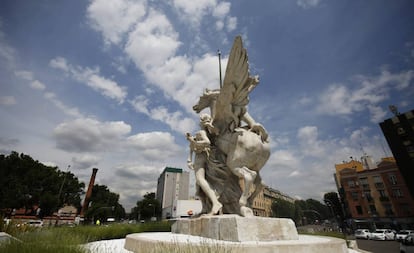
(379, 195)
(399, 133)
(262, 204)
(173, 185)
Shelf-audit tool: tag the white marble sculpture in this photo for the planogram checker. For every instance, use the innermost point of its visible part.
(230, 145)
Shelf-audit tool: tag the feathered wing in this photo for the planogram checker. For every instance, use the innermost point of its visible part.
(237, 84)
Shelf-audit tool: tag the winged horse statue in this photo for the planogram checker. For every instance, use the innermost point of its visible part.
(235, 133)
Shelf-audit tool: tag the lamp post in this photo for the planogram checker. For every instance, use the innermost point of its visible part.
(153, 212)
(61, 186)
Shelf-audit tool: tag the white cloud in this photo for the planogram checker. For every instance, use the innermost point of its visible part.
(26, 75)
(154, 145)
(37, 85)
(294, 174)
(91, 78)
(90, 135)
(175, 120)
(306, 4)
(231, 24)
(7, 100)
(85, 161)
(309, 143)
(193, 13)
(7, 53)
(115, 18)
(59, 63)
(71, 111)
(152, 41)
(221, 10)
(368, 93)
(140, 104)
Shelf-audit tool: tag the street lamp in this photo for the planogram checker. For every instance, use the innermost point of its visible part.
(61, 186)
(153, 211)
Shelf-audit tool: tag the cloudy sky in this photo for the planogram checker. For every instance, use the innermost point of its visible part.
(110, 84)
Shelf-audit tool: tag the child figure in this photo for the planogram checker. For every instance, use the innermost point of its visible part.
(200, 145)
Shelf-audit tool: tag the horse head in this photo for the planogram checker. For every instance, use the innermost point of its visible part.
(206, 100)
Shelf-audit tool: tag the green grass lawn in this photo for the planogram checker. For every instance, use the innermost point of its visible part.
(68, 239)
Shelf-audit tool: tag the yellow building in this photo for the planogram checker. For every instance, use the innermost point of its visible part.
(262, 204)
(353, 164)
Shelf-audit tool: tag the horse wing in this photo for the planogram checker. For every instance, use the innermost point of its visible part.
(236, 87)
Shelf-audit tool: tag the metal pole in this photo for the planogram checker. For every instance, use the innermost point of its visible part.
(219, 56)
(61, 186)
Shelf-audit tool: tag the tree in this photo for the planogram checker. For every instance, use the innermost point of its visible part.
(26, 182)
(104, 204)
(332, 201)
(283, 209)
(146, 208)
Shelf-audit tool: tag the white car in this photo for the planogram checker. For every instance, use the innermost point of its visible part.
(407, 245)
(402, 234)
(35, 223)
(362, 233)
(382, 234)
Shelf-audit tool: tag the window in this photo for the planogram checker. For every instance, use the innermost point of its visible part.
(382, 193)
(405, 209)
(351, 183)
(372, 209)
(377, 179)
(367, 195)
(397, 193)
(363, 180)
(388, 209)
(354, 195)
(393, 179)
(358, 209)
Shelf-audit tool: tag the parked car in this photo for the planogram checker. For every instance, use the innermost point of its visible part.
(362, 233)
(402, 234)
(407, 245)
(383, 234)
(35, 223)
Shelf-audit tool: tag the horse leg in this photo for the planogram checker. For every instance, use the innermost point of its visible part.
(258, 188)
(248, 177)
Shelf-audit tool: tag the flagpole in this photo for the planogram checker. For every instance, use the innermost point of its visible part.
(219, 56)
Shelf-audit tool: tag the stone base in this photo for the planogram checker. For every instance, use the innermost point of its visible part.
(237, 229)
(169, 242)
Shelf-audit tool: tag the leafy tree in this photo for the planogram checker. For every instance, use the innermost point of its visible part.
(332, 201)
(26, 182)
(283, 209)
(146, 208)
(104, 204)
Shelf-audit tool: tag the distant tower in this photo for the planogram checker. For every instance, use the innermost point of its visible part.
(173, 184)
(89, 192)
(367, 162)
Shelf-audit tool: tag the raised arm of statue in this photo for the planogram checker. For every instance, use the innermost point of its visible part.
(255, 127)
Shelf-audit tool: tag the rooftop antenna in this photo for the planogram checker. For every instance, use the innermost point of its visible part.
(360, 145)
(394, 110)
(219, 56)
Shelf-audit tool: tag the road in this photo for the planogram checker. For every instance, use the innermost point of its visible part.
(379, 246)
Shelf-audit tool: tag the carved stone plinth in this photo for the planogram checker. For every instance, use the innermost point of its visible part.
(237, 229)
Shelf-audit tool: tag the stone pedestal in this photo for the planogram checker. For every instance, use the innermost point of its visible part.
(233, 233)
(237, 229)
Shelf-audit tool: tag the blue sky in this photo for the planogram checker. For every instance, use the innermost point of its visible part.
(110, 84)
